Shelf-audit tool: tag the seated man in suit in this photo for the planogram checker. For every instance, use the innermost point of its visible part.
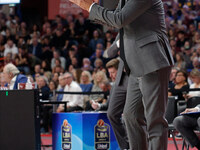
(116, 101)
(12, 76)
(187, 123)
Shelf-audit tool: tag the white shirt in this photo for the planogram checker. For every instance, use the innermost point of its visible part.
(91, 7)
(73, 99)
(63, 62)
(194, 93)
(13, 50)
(12, 83)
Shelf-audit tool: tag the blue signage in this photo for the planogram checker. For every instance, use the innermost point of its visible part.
(82, 131)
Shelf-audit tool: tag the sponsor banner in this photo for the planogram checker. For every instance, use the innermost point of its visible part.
(82, 131)
(102, 135)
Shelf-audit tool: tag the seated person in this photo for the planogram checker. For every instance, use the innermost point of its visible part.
(186, 124)
(42, 83)
(75, 101)
(62, 83)
(13, 77)
(195, 77)
(172, 77)
(99, 77)
(85, 81)
(180, 86)
(112, 67)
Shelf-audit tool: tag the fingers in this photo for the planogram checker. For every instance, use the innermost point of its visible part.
(96, 1)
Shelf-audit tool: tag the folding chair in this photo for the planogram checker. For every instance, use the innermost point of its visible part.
(171, 113)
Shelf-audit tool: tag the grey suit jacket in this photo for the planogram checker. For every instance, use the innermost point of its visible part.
(146, 44)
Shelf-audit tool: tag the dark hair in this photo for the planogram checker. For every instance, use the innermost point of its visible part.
(184, 73)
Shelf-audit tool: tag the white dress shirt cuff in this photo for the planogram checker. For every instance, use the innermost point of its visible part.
(105, 54)
(91, 7)
(198, 109)
(117, 43)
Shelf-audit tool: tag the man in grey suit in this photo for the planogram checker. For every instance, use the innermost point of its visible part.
(117, 98)
(187, 123)
(148, 56)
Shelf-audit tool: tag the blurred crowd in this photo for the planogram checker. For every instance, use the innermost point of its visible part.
(66, 54)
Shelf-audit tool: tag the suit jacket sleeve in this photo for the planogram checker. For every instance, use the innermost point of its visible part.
(112, 51)
(118, 19)
(104, 106)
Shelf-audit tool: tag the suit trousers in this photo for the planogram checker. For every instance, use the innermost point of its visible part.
(115, 110)
(144, 111)
(186, 125)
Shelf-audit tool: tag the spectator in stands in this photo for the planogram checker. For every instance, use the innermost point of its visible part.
(180, 63)
(105, 87)
(56, 55)
(87, 65)
(13, 77)
(58, 40)
(2, 43)
(186, 124)
(22, 60)
(180, 39)
(35, 48)
(35, 29)
(47, 54)
(45, 109)
(196, 63)
(77, 74)
(43, 87)
(99, 77)
(192, 30)
(52, 86)
(172, 77)
(8, 59)
(80, 26)
(98, 54)
(180, 85)
(196, 39)
(96, 39)
(74, 62)
(187, 51)
(108, 37)
(61, 86)
(9, 35)
(10, 47)
(48, 32)
(45, 66)
(75, 101)
(99, 65)
(37, 70)
(195, 77)
(57, 68)
(55, 77)
(85, 81)
(171, 34)
(20, 42)
(24, 34)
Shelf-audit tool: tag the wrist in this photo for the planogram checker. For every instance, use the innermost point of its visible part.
(90, 7)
